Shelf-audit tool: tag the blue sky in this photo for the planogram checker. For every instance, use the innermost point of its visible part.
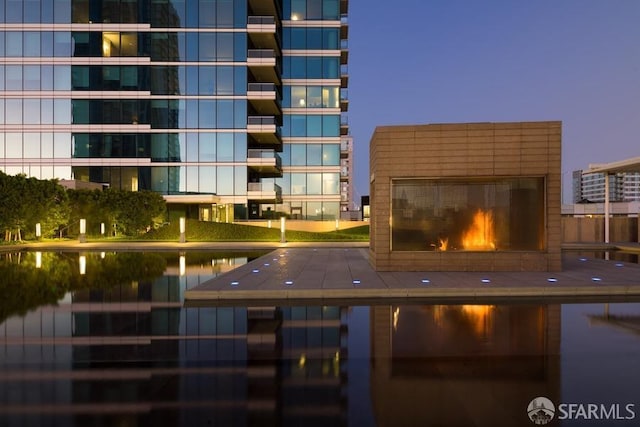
(444, 61)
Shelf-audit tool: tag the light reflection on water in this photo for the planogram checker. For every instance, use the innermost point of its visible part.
(127, 352)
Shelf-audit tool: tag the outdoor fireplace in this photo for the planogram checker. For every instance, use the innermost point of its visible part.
(474, 214)
(466, 197)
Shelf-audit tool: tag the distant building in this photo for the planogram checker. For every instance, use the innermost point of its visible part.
(589, 187)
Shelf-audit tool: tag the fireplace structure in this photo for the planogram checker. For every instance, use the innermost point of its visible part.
(466, 197)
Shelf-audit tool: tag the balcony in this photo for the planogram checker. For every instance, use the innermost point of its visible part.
(344, 52)
(264, 129)
(262, 31)
(344, 26)
(344, 100)
(344, 124)
(264, 7)
(344, 6)
(264, 65)
(264, 98)
(267, 163)
(344, 76)
(264, 192)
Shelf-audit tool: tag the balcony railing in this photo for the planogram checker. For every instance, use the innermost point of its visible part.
(264, 187)
(262, 120)
(261, 87)
(261, 53)
(265, 154)
(261, 20)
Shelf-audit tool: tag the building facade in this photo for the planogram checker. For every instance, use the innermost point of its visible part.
(229, 108)
(589, 187)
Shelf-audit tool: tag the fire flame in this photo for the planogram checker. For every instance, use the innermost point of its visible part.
(480, 236)
(444, 244)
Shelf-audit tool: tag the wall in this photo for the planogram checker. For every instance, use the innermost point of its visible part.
(591, 230)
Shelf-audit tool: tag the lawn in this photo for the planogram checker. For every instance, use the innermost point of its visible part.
(199, 231)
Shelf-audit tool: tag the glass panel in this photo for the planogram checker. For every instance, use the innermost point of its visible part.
(331, 9)
(225, 180)
(225, 14)
(225, 80)
(207, 13)
(31, 143)
(314, 125)
(207, 45)
(62, 145)
(298, 125)
(225, 114)
(314, 183)
(207, 113)
(298, 10)
(330, 183)
(13, 113)
(31, 111)
(314, 155)
(14, 43)
(31, 44)
(192, 147)
(207, 145)
(298, 183)
(331, 154)
(192, 179)
(207, 178)
(298, 154)
(314, 96)
(13, 75)
(13, 146)
(298, 96)
(207, 79)
(475, 214)
(225, 147)
(331, 97)
(330, 125)
(240, 180)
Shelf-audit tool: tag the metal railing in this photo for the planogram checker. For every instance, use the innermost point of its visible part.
(261, 87)
(261, 120)
(261, 20)
(265, 154)
(261, 53)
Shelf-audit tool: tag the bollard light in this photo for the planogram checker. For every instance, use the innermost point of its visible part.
(282, 230)
(83, 230)
(337, 224)
(102, 228)
(38, 230)
(183, 265)
(183, 227)
(268, 223)
(38, 259)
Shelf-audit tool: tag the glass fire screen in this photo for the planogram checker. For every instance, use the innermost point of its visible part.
(468, 214)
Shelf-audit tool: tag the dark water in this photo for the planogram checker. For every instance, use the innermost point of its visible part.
(115, 346)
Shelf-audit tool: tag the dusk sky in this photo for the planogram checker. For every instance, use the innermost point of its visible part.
(445, 61)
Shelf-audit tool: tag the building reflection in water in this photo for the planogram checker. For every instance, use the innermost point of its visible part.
(132, 354)
(459, 364)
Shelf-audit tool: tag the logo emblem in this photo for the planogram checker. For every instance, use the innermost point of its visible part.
(541, 411)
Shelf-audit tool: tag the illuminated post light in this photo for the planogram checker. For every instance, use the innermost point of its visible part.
(269, 224)
(102, 228)
(38, 231)
(83, 230)
(183, 265)
(38, 259)
(82, 262)
(183, 226)
(282, 230)
(337, 224)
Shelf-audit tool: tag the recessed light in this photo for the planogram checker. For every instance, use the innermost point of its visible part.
(552, 280)
(288, 282)
(619, 264)
(486, 280)
(235, 283)
(596, 279)
(356, 281)
(425, 281)
(255, 271)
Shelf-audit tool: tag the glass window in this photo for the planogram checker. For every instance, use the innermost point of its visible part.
(14, 43)
(314, 9)
(207, 79)
(471, 214)
(298, 154)
(314, 183)
(31, 111)
(207, 13)
(80, 77)
(314, 38)
(331, 67)
(207, 147)
(61, 11)
(61, 145)
(331, 154)
(13, 146)
(240, 147)
(225, 147)
(298, 67)
(331, 9)
(224, 47)
(331, 97)
(129, 78)
(46, 44)
(192, 147)
(298, 183)
(225, 180)
(207, 179)
(46, 145)
(314, 125)
(62, 77)
(207, 118)
(298, 125)
(207, 45)
(314, 67)
(240, 80)
(13, 111)
(240, 180)
(314, 155)
(62, 111)
(331, 125)
(298, 38)
(13, 76)
(31, 142)
(225, 80)
(298, 10)
(2, 36)
(330, 183)
(13, 14)
(298, 96)
(31, 44)
(240, 114)
(225, 114)
(46, 110)
(314, 96)
(192, 179)
(330, 38)
(224, 14)
(62, 44)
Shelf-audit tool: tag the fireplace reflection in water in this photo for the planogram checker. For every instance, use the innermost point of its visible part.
(497, 214)
(457, 364)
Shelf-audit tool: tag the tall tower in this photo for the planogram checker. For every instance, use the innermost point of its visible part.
(229, 108)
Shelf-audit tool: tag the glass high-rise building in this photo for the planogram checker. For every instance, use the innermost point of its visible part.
(232, 109)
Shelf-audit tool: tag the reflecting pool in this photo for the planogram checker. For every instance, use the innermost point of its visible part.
(104, 339)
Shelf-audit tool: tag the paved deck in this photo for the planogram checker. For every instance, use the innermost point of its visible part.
(345, 273)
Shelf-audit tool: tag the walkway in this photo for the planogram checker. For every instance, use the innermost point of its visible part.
(345, 273)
